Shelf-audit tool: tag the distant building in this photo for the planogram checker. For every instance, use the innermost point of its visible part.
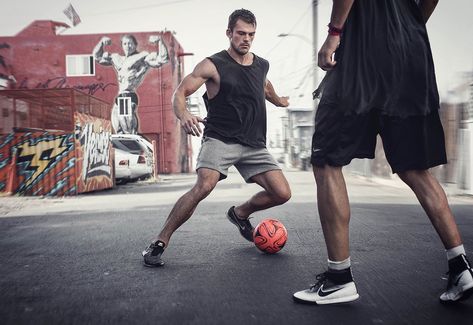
(298, 128)
(457, 118)
(135, 72)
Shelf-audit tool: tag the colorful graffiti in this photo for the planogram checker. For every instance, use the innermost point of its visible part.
(58, 163)
(131, 69)
(35, 161)
(44, 163)
(5, 160)
(94, 148)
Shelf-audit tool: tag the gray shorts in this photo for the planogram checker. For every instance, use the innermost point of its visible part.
(217, 155)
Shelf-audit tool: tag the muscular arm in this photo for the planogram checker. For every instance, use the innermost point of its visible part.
(340, 11)
(202, 72)
(427, 7)
(272, 97)
(100, 55)
(160, 57)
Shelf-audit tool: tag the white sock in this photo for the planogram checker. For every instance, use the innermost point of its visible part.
(339, 265)
(455, 251)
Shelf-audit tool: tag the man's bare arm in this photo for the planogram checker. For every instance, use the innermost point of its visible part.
(340, 11)
(427, 7)
(189, 85)
(272, 97)
(159, 57)
(99, 54)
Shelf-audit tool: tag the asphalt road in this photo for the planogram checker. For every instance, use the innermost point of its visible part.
(77, 260)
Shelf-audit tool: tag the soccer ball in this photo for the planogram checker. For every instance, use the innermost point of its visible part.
(270, 236)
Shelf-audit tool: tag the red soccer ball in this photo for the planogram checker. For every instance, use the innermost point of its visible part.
(270, 236)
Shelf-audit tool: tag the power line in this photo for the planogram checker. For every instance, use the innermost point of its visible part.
(138, 8)
(290, 31)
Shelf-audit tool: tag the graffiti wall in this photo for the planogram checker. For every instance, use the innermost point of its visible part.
(58, 163)
(44, 163)
(135, 74)
(94, 153)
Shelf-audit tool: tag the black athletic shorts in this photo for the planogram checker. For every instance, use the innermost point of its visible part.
(410, 143)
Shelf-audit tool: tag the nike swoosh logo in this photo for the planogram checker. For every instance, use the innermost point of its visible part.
(323, 293)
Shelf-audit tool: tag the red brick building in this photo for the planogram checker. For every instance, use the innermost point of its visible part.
(141, 81)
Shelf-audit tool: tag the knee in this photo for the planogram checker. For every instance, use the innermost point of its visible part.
(322, 173)
(406, 176)
(412, 177)
(282, 195)
(203, 189)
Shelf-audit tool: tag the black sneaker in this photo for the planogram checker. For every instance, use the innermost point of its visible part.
(152, 254)
(460, 280)
(245, 227)
(332, 287)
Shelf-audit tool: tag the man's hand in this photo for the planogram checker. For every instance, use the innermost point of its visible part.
(325, 58)
(284, 101)
(154, 39)
(272, 97)
(191, 125)
(106, 40)
(160, 56)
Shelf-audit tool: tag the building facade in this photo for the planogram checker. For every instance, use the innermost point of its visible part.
(136, 73)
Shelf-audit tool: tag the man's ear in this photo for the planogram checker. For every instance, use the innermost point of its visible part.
(229, 33)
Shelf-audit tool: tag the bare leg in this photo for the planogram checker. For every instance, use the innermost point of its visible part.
(186, 204)
(276, 192)
(334, 210)
(434, 201)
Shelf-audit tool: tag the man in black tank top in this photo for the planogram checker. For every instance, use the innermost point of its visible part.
(234, 135)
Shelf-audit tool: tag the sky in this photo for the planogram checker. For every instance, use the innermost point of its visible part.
(200, 25)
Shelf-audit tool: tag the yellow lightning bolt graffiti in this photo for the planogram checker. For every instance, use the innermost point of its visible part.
(38, 160)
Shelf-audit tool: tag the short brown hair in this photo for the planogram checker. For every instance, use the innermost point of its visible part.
(243, 14)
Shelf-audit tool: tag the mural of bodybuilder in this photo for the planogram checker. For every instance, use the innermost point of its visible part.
(131, 69)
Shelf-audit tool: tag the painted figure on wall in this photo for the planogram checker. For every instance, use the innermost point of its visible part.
(131, 69)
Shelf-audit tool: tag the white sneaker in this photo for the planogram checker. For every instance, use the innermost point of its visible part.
(325, 291)
(460, 280)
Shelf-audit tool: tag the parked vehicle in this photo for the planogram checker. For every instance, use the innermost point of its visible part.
(122, 166)
(138, 151)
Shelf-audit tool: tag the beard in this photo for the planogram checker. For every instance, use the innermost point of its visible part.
(240, 51)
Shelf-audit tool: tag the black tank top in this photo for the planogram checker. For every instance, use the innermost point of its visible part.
(237, 114)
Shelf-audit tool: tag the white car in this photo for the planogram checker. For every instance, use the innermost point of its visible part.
(139, 153)
(122, 166)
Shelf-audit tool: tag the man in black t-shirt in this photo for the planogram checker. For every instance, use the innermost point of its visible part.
(235, 132)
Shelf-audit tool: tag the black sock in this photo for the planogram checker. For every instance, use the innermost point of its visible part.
(458, 264)
(340, 276)
(158, 247)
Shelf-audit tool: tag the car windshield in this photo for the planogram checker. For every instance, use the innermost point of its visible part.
(127, 145)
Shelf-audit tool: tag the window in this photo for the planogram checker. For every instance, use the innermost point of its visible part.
(80, 65)
(124, 106)
(132, 146)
